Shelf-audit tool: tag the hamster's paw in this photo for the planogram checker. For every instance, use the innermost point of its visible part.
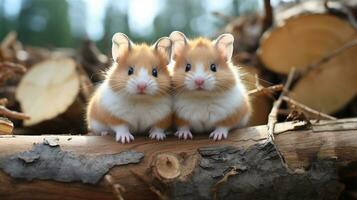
(124, 137)
(184, 133)
(157, 133)
(219, 134)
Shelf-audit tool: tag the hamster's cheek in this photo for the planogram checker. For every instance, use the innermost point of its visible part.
(131, 86)
(118, 82)
(189, 83)
(152, 87)
(210, 83)
(225, 80)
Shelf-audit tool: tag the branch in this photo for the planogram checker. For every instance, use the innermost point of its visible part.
(308, 109)
(13, 114)
(266, 90)
(272, 118)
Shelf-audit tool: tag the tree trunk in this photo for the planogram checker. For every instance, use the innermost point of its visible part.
(245, 166)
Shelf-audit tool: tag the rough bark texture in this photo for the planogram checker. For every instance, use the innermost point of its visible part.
(246, 166)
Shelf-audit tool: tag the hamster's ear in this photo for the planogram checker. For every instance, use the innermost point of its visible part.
(224, 44)
(163, 45)
(179, 41)
(121, 44)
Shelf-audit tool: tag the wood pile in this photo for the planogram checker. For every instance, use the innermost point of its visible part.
(51, 87)
(299, 63)
(317, 38)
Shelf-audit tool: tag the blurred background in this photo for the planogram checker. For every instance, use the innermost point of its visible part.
(64, 23)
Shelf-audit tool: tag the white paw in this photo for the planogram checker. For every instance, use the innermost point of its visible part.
(157, 133)
(219, 134)
(184, 133)
(124, 137)
(122, 134)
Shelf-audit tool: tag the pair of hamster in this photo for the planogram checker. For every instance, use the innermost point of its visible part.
(203, 91)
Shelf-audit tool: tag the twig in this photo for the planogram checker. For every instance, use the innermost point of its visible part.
(273, 115)
(284, 112)
(266, 90)
(117, 188)
(272, 118)
(308, 109)
(329, 56)
(13, 114)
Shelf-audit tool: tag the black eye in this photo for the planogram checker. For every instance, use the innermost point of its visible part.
(213, 68)
(188, 67)
(130, 71)
(154, 72)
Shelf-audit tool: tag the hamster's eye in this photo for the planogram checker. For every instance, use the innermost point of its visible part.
(154, 72)
(130, 71)
(213, 67)
(188, 67)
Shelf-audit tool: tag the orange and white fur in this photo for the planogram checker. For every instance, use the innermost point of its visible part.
(134, 97)
(209, 94)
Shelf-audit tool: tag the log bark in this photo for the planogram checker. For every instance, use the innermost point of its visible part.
(245, 166)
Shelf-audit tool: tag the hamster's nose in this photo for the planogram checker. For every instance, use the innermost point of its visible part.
(199, 81)
(141, 86)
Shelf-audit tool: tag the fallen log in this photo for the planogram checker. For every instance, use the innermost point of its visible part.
(245, 166)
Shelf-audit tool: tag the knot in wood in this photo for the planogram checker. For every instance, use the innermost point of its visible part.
(167, 166)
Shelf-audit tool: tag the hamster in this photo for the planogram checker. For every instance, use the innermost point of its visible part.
(209, 95)
(135, 95)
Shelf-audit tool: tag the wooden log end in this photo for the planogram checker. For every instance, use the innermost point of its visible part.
(167, 166)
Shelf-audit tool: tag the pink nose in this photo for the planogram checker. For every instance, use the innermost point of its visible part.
(141, 87)
(199, 81)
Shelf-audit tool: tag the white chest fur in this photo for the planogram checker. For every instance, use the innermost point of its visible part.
(202, 113)
(141, 114)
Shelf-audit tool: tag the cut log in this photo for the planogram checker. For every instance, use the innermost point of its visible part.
(308, 43)
(245, 166)
(6, 126)
(329, 87)
(51, 92)
(304, 39)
